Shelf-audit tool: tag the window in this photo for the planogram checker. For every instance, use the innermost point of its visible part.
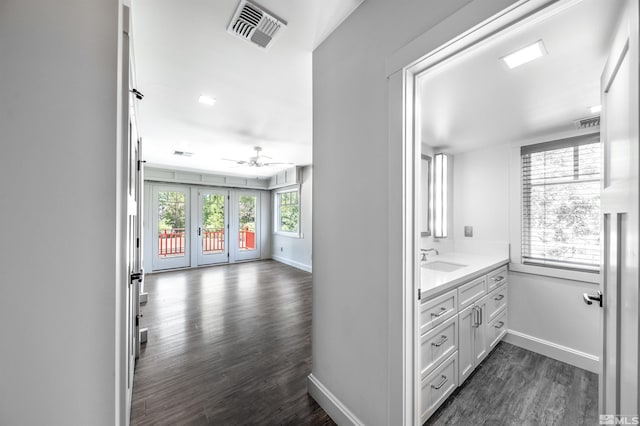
(288, 211)
(561, 204)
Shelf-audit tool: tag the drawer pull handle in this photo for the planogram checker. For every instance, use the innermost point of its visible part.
(498, 278)
(499, 324)
(442, 311)
(441, 342)
(500, 297)
(441, 384)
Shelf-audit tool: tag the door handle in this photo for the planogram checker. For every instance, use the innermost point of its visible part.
(199, 231)
(590, 298)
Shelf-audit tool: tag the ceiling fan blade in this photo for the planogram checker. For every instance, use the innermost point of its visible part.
(231, 159)
(274, 164)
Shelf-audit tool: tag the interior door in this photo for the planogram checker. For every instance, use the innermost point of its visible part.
(619, 132)
(130, 157)
(170, 226)
(213, 227)
(245, 224)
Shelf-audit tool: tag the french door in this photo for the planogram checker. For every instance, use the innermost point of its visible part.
(212, 227)
(170, 226)
(246, 224)
(223, 226)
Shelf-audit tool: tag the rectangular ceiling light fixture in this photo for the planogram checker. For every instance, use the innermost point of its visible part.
(206, 100)
(440, 195)
(525, 55)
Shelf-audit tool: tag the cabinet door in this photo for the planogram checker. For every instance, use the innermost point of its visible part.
(480, 332)
(466, 334)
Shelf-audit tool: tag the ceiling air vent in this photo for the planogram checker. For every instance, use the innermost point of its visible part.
(585, 123)
(182, 153)
(255, 24)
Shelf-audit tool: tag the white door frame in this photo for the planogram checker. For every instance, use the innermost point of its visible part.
(453, 36)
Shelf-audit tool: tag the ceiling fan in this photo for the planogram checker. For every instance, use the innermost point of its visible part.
(255, 161)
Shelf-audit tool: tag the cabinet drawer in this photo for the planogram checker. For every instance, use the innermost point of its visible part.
(497, 277)
(438, 310)
(496, 329)
(437, 386)
(437, 345)
(496, 301)
(471, 291)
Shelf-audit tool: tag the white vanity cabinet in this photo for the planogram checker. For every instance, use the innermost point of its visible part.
(458, 329)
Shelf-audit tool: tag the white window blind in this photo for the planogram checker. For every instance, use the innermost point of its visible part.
(561, 204)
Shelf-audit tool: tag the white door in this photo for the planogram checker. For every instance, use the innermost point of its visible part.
(619, 378)
(213, 227)
(245, 225)
(130, 157)
(170, 227)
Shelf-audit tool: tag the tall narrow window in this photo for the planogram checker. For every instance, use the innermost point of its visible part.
(288, 212)
(561, 204)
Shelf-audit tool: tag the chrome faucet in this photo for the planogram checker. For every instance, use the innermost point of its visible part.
(425, 251)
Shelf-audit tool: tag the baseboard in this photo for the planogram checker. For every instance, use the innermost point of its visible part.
(329, 403)
(293, 263)
(553, 350)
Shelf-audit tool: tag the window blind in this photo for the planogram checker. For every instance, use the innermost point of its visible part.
(561, 204)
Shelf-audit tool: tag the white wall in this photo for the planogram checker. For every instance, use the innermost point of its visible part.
(546, 314)
(355, 355)
(58, 97)
(297, 251)
(481, 194)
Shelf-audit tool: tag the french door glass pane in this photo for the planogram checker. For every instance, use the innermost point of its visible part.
(213, 223)
(247, 222)
(171, 221)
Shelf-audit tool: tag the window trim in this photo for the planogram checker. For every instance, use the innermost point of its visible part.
(276, 211)
(515, 214)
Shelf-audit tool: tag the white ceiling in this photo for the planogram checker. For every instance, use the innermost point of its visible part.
(182, 50)
(474, 100)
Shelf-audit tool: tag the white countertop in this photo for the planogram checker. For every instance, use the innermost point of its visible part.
(435, 282)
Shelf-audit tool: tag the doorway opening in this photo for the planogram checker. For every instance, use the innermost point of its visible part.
(408, 131)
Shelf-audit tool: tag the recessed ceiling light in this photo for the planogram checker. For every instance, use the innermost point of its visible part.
(524, 55)
(595, 109)
(206, 100)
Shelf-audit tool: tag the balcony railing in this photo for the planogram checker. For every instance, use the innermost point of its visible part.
(246, 239)
(171, 242)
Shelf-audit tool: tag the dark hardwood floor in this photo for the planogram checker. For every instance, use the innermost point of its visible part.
(516, 387)
(231, 345)
(228, 345)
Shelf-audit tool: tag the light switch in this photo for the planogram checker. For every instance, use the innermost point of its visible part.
(468, 231)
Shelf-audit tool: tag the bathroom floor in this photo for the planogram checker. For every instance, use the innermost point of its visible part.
(514, 386)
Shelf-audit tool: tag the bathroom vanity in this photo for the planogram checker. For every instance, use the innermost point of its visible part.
(463, 316)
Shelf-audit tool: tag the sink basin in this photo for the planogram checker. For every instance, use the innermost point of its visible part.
(443, 266)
